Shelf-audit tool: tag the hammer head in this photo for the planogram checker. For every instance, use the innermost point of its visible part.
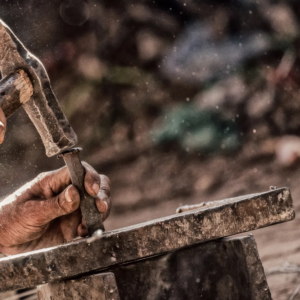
(42, 108)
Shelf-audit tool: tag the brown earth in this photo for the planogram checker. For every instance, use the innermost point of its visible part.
(155, 184)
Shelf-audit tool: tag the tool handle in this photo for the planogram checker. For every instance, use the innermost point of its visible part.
(89, 210)
(15, 89)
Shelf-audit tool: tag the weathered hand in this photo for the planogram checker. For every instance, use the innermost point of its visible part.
(45, 212)
(2, 126)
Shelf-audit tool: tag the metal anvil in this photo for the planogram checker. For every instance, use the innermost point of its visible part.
(145, 252)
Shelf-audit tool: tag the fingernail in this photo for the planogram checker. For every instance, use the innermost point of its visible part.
(67, 194)
(106, 206)
(96, 188)
(2, 131)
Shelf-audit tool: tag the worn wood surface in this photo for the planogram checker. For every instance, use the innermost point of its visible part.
(229, 217)
(93, 287)
(43, 108)
(226, 269)
(15, 90)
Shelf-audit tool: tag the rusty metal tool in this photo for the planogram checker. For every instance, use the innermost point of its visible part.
(25, 83)
(42, 106)
(88, 206)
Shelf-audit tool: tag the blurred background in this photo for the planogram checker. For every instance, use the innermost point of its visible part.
(177, 101)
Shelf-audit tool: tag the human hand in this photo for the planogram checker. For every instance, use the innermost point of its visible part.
(45, 212)
(2, 125)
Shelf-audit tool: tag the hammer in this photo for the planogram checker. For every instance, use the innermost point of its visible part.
(25, 83)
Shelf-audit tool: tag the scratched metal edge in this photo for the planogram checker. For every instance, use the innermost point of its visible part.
(146, 239)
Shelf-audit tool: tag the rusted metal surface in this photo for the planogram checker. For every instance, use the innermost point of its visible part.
(43, 107)
(94, 287)
(228, 268)
(15, 89)
(227, 218)
(90, 213)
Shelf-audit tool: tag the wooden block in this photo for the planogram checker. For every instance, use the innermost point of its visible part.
(226, 269)
(228, 217)
(94, 287)
(229, 268)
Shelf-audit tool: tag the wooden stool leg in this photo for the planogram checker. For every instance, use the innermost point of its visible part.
(94, 287)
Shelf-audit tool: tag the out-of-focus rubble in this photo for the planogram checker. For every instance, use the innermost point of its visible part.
(288, 150)
(130, 63)
(197, 57)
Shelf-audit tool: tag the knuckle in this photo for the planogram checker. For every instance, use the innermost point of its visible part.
(42, 181)
(105, 178)
(105, 181)
(86, 165)
(106, 191)
(92, 175)
(105, 187)
(41, 176)
(59, 207)
(89, 168)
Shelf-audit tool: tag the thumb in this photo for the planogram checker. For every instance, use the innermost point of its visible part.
(2, 126)
(44, 211)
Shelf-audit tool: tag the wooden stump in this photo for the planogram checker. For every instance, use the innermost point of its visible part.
(94, 287)
(227, 269)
